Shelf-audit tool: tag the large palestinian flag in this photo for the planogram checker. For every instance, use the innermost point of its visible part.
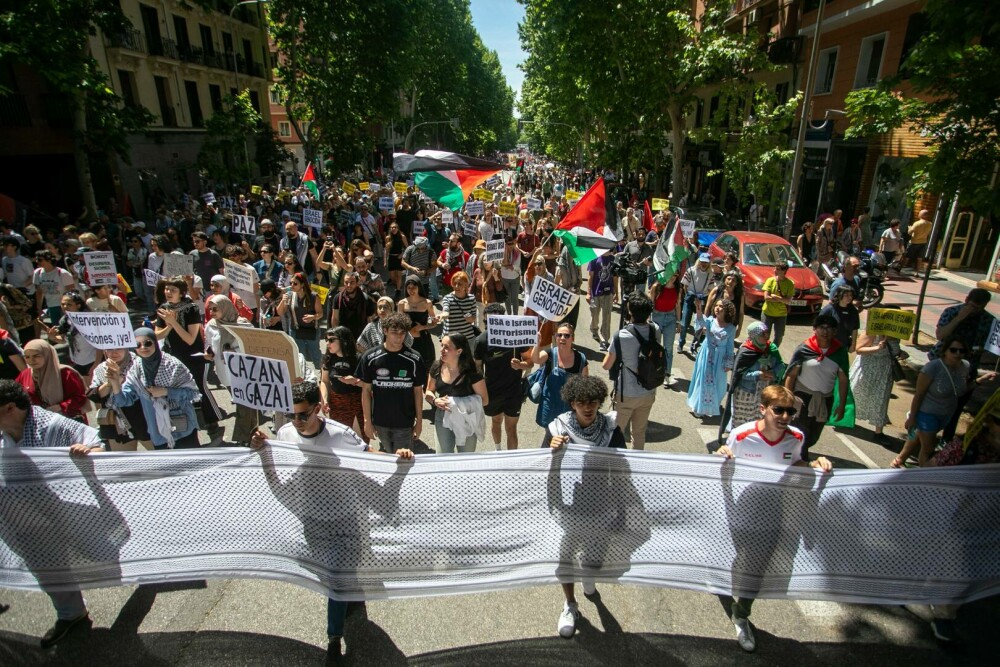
(591, 227)
(447, 178)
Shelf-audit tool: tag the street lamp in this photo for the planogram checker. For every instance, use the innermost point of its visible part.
(407, 142)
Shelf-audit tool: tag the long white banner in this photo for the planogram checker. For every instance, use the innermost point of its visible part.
(366, 526)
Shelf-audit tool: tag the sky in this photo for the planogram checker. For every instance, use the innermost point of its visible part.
(496, 21)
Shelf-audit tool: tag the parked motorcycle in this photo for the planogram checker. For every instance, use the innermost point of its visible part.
(872, 271)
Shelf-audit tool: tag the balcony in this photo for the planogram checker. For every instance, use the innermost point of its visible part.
(130, 39)
(14, 111)
(169, 116)
(785, 51)
(192, 54)
(170, 49)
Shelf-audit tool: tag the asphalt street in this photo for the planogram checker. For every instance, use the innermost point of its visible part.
(251, 622)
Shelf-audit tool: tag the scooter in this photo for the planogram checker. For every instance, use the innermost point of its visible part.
(872, 273)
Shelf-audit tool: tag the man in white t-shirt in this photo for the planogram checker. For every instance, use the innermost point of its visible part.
(308, 426)
(51, 282)
(768, 440)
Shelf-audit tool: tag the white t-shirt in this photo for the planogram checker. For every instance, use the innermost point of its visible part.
(485, 231)
(746, 442)
(333, 435)
(819, 376)
(55, 283)
(18, 272)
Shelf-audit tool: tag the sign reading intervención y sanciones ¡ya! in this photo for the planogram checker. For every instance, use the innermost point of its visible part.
(890, 322)
(511, 330)
(259, 383)
(494, 251)
(105, 331)
(550, 301)
(101, 268)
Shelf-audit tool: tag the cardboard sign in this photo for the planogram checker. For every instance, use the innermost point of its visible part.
(178, 265)
(259, 383)
(511, 330)
(363, 186)
(534, 204)
(105, 331)
(295, 217)
(373, 186)
(483, 195)
(320, 291)
(572, 195)
(470, 229)
(244, 224)
(348, 187)
(400, 187)
(100, 268)
(508, 208)
(447, 217)
(687, 227)
(386, 203)
(475, 208)
(660, 204)
(209, 197)
(256, 189)
(890, 322)
(241, 280)
(270, 344)
(150, 277)
(993, 342)
(494, 251)
(549, 300)
(312, 217)
(418, 228)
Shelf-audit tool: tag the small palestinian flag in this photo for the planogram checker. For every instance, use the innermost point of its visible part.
(670, 252)
(309, 181)
(591, 227)
(447, 178)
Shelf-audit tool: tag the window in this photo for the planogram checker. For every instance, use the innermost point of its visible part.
(870, 61)
(275, 96)
(781, 92)
(215, 94)
(206, 38)
(284, 128)
(165, 100)
(129, 95)
(194, 103)
(825, 71)
(916, 27)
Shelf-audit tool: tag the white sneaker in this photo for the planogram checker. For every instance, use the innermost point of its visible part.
(589, 587)
(567, 620)
(744, 634)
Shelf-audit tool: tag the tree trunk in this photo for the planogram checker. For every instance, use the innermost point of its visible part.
(677, 136)
(83, 175)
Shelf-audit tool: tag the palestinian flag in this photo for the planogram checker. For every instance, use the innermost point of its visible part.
(670, 252)
(591, 227)
(447, 178)
(309, 181)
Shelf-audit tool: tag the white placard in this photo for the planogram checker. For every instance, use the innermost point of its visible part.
(209, 197)
(993, 342)
(475, 208)
(386, 203)
(312, 217)
(549, 300)
(687, 227)
(105, 331)
(511, 330)
(418, 228)
(100, 267)
(244, 224)
(259, 383)
(241, 280)
(470, 229)
(177, 265)
(534, 204)
(447, 217)
(151, 277)
(494, 251)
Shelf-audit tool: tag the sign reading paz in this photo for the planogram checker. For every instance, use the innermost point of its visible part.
(890, 322)
(101, 268)
(549, 300)
(259, 383)
(494, 251)
(511, 330)
(105, 331)
(244, 224)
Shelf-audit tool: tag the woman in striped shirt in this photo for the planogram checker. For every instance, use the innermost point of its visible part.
(459, 307)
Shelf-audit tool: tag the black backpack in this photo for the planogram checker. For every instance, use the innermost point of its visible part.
(651, 369)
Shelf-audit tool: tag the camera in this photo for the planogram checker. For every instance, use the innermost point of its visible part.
(623, 267)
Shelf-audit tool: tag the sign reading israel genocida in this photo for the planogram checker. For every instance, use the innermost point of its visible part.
(105, 331)
(511, 330)
(259, 383)
(550, 301)
(890, 322)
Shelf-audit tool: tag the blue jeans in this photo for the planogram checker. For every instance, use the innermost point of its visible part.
(336, 614)
(68, 604)
(446, 437)
(309, 347)
(667, 321)
(686, 314)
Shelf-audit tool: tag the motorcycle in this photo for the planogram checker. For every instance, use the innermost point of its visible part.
(872, 272)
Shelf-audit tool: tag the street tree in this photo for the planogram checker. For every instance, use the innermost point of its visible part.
(225, 156)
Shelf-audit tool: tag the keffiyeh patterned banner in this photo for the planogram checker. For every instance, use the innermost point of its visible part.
(366, 526)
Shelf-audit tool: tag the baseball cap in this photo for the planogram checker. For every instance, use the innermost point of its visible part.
(703, 257)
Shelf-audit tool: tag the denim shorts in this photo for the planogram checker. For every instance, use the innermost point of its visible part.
(929, 423)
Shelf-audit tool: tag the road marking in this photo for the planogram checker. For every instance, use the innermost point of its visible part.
(857, 452)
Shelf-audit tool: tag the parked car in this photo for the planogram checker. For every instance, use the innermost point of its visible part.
(758, 254)
(709, 222)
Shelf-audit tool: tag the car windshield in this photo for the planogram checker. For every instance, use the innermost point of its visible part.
(770, 254)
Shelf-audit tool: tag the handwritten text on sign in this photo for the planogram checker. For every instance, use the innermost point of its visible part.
(150, 277)
(259, 383)
(549, 300)
(494, 251)
(386, 203)
(511, 330)
(101, 268)
(447, 217)
(105, 331)
(470, 229)
(312, 217)
(475, 208)
(241, 279)
(890, 322)
(244, 224)
(177, 265)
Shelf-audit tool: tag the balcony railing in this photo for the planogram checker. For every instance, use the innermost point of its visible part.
(170, 49)
(14, 111)
(129, 38)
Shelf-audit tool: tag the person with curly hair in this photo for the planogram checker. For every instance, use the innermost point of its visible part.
(715, 359)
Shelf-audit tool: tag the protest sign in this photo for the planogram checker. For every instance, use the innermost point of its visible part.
(386, 203)
(399, 187)
(105, 331)
(295, 217)
(244, 224)
(494, 251)
(447, 217)
(100, 268)
(320, 291)
(687, 227)
(508, 208)
(660, 204)
(259, 383)
(270, 344)
(418, 228)
(373, 186)
(363, 186)
(348, 187)
(312, 217)
(475, 208)
(549, 300)
(890, 322)
(993, 342)
(150, 277)
(178, 265)
(511, 330)
(242, 279)
(470, 229)
(209, 197)
(256, 190)
(485, 195)
(534, 204)
(572, 195)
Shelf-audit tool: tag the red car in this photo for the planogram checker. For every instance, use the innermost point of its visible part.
(758, 254)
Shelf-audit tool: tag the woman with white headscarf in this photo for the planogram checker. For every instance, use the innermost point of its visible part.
(56, 388)
(218, 341)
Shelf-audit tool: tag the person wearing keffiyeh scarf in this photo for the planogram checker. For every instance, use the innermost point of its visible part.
(818, 375)
(758, 364)
(584, 424)
(129, 423)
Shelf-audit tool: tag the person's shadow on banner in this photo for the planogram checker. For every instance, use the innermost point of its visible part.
(62, 538)
(604, 524)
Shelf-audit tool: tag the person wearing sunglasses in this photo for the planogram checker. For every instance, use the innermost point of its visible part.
(818, 375)
(267, 267)
(557, 365)
(771, 439)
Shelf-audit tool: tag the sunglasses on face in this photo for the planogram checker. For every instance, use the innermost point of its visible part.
(564, 335)
(144, 343)
(780, 410)
(301, 416)
(957, 350)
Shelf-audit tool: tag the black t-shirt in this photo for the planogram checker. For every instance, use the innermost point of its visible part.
(393, 376)
(848, 321)
(339, 367)
(187, 315)
(462, 387)
(8, 349)
(500, 377)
